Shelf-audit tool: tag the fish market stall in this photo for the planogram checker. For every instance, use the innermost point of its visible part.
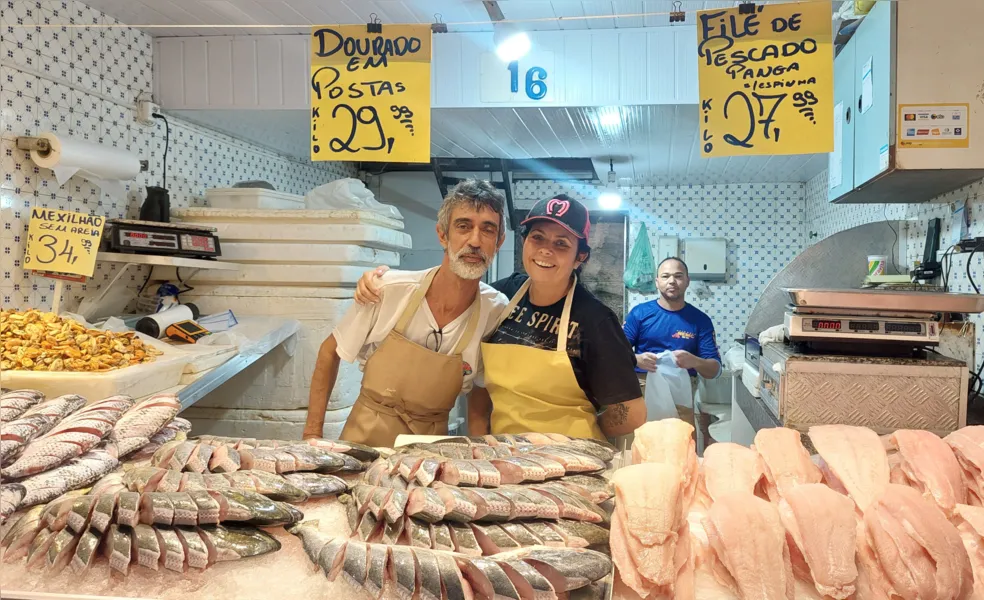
(509, 516)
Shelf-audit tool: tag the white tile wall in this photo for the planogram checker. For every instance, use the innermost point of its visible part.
(57, 74)
(763, 224)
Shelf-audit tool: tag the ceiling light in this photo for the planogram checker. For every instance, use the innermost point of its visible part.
(609, 200)
(511, 45)
(611, 118)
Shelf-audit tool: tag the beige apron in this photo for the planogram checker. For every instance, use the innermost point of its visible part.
(407, 388)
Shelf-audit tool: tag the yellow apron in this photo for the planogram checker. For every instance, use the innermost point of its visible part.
(407, 388)
(536, 390)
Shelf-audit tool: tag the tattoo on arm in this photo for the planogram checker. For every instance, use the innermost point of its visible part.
(616, 414)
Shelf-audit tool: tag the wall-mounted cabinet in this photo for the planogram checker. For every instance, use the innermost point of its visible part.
(909, 102)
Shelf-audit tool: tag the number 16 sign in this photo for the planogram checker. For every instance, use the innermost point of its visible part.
(62, 241)
(766, 80)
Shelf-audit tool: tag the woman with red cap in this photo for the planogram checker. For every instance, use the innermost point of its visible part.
(559, 361)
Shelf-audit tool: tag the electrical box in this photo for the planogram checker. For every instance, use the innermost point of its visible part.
(668, 246)
(707, 258)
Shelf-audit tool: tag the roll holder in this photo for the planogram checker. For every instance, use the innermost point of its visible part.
(43, 147)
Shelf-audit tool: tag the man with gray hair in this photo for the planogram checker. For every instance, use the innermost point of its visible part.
(419, 346)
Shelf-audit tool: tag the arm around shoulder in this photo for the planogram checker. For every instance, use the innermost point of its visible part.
(479, 411)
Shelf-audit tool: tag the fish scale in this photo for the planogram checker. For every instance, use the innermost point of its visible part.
(144, 420)
(76, 473)
(85, 551)
(57, 447)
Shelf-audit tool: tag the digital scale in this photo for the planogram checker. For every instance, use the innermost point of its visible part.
(162, 239)
(862, 328)
(889, 318)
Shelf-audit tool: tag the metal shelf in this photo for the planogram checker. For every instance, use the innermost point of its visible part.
(166, 261)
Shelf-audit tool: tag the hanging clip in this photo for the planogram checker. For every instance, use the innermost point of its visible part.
(677, 15)
(439, 26)
(746, 8)
(374, 25)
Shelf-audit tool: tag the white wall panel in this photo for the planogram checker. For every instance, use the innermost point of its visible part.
(220, 85)
(589, 68)
(244, 73)
(196, 75)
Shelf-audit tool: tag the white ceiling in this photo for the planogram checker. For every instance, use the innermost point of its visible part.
(295, 16)
(652, 145)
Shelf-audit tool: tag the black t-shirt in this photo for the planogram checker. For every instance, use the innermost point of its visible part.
(602, 358)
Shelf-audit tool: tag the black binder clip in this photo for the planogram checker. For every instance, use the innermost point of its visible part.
(677, 15)
(439, 26)
(746, 8)
(374, 25)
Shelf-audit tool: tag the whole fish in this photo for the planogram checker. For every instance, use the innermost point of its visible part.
(76, 473)
(564, 569)
(11, 495)
(14, 404)
(73, 436)
(317, 485)
(57, 408)
(233, 542)
(19, 432)
(358, 451)
(144, 420)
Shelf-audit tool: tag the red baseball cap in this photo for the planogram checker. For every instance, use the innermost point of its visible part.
(564, 211)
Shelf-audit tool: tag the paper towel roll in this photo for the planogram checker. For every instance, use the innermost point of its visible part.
(104, 166)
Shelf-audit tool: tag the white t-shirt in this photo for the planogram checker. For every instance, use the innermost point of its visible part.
(363, 328)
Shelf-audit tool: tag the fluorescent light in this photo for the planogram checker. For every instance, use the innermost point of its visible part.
(610, 118)
(513, 46)
(610, 200)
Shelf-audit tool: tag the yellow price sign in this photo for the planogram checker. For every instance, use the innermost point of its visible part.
(62, 241)
(370, 93)
(766, 80)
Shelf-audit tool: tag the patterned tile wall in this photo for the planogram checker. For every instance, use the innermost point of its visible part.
(825, 219)
(58, 74)
(763, 224)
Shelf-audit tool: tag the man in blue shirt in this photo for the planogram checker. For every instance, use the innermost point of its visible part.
(669, 323)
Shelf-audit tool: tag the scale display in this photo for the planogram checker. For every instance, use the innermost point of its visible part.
(165, 239)
(861, 328)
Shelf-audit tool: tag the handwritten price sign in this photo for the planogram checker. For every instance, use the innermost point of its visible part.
(62, 241)
(370, 93)
(766, 80)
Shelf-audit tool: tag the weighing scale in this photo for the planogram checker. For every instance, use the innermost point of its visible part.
(886, 327)
(897, 320)
(162, 239)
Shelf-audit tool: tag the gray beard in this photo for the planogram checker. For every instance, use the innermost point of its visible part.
(467, 271)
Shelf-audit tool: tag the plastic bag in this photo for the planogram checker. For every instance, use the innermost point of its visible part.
(640, 272)
(348, 194)
(667, 388)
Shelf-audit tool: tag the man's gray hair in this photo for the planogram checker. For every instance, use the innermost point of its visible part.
(474, 193)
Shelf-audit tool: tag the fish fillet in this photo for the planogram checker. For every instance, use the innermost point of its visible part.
(930, 466)
(855, 457)
(730, 468)
(970, 523)
(747, 540)
(645, 528)
(787, 463)
(919, 551)
(968, 446)
(822, 525)
(668, 441)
